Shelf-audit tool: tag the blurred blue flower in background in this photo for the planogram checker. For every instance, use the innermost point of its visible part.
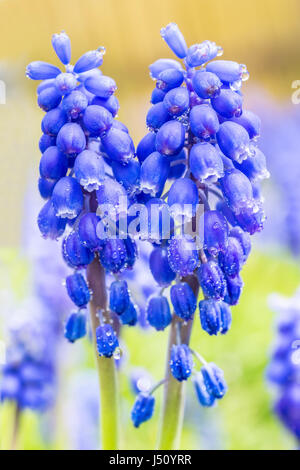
(82, 410)
(29, 376)
(284, 368)
(280, 142)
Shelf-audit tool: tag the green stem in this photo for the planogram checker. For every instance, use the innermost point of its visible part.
(15, 429)
(109, 412)
(173, 404)
(174, 392)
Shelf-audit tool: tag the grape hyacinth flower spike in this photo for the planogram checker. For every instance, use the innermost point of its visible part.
(88, 162)
(198, 125)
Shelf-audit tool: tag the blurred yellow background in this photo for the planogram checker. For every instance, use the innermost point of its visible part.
(263, 34)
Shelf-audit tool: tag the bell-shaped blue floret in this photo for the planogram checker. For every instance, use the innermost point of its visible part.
(106, 339)
(71, 139)
(183, 300)
(62, 45)
(75, 254)
(206, 84)
(49, 224)
(89, 170)
(160, 268)
(215, 232)
(75, 327)
(183, 255)
(175, 39)
(204, 121)
(89, 60)
(118, 297)
(78, 289)
(67, 198)
(214, 380)
(181, 362)
(158, 312)
(170, 138)
(215, 316)
(212, 280)
(206, 163)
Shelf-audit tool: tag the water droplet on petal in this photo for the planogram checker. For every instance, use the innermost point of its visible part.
(117, 353)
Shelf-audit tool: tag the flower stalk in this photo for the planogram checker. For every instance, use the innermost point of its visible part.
(109, 411)
(174, 391)
(15, 428)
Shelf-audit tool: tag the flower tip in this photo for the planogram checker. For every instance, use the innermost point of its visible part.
(165, 29)
(175, 40)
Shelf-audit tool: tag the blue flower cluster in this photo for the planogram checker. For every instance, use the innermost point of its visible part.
(197, 124)
(29, 375)
(284, 368)
(209, 384)
(87, 162)
(280, 141)
(200, 159)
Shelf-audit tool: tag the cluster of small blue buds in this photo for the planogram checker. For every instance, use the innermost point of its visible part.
(215, 316)
(209, 384)
(283, 371)
(199, 162)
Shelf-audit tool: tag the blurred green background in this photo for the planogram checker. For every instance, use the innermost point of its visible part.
(264, 35)
(242, 420)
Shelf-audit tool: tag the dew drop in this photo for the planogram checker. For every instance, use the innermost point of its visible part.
(220, 51)
(117, 354)
(235, 86)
